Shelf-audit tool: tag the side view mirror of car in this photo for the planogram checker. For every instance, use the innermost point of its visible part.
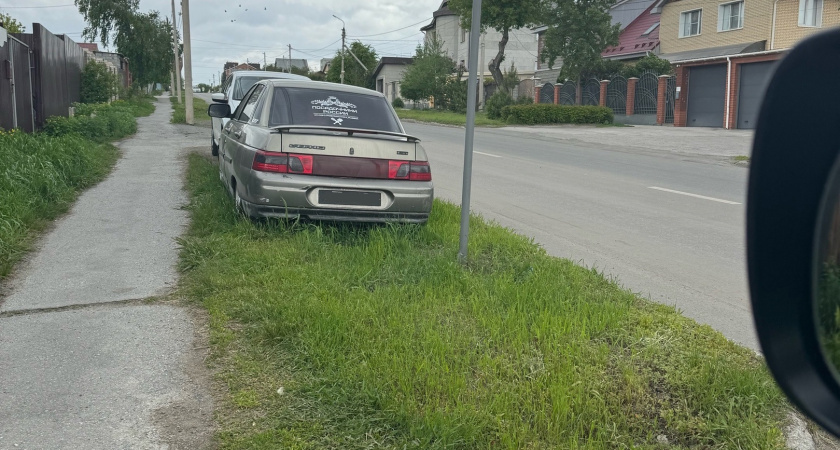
(219, 110)
(219, 97)
(793, 229)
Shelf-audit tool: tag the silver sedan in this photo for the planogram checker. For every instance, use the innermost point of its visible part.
(322, 151)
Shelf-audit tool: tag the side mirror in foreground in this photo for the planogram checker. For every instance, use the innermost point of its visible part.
(793, 228)
(219, 110)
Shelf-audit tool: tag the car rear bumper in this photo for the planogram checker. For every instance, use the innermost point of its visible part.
(290, 196)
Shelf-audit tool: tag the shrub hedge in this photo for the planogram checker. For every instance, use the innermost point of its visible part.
(544, 114)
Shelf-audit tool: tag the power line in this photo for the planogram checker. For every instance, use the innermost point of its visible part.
(398, 29)
(36, 7)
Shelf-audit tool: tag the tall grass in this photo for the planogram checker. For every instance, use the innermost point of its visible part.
(179, 114)
(40, 177)
(378, 338)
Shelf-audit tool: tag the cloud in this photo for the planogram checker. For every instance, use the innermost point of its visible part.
(222, 30)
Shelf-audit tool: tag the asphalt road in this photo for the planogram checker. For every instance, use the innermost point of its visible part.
(659, 209)
(84, 362)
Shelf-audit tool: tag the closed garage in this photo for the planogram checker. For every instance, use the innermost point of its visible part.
(752, 84)
(706, 96)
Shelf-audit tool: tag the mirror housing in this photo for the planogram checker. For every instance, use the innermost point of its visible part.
(795, 150)
(219, 110)
(219, 97)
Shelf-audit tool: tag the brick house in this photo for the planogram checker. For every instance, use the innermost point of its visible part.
(724, 53)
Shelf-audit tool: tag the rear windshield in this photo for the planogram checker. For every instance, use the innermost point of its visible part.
(320, 107)
(242, 85)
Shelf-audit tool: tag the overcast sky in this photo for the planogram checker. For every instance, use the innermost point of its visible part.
(240, 30)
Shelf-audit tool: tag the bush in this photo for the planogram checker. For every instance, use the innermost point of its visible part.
(398, 103)
(525, 100)
(496, 103)
(98, 122)
(542, 113)
(98, 83)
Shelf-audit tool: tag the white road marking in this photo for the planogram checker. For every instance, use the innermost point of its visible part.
(694, 195)
(486, 154)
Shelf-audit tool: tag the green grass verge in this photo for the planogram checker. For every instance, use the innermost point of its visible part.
(741, 158)
(378, 338)
(447, 117)
(41, 177)
(179, 114)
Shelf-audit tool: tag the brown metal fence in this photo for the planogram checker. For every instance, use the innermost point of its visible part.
(15, 86)
(56, 64)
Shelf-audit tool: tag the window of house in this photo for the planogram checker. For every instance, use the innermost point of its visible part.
(731, 16)
(690, 23)
(810, 13)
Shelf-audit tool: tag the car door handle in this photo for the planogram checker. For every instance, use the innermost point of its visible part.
(237, 133)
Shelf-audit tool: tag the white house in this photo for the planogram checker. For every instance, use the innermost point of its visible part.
(521, 48)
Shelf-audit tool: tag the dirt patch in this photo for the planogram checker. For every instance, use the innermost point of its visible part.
(188, 422)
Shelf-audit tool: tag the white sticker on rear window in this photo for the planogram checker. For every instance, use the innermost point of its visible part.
(335, 109)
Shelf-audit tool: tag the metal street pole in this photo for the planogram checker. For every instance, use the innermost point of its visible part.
(177, 90)
(188, 89)
(481, 75)
(343, 35)
(475, 31)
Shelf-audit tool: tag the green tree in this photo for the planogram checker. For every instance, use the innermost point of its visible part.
(99, 84)
(11, 24)
(354, 73)
(502, 16)
(204, 87)
(578, 31)
(105, 17)
(427, 75)
(146, 40)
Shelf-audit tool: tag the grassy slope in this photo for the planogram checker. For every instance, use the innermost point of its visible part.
(378, 338)
(179, 114)
(447, 117)
(40, 178)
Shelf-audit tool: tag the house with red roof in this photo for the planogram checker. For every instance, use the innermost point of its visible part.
(639, 38)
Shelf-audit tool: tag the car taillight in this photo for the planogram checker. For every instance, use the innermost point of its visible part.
(420, 171)
(282, 162)
(409, 170)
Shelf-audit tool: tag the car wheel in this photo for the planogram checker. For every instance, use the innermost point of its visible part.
(214, 149)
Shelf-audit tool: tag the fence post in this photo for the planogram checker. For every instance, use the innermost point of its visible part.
(603, 100)
(662, 91)
(537, 93)
(631, 95)
(579, 92)
(557, 93)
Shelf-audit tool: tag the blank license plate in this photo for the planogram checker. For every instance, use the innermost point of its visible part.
(349, 198)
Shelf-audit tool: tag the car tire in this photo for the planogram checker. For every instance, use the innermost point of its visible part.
(214, 149)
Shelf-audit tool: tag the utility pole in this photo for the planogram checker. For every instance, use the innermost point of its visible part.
(264, 63)
(188, 97)
(172, 82)
(343, 36)
(177, 91)
(290, 58)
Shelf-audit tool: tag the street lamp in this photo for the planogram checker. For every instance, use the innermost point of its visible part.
(343, 35)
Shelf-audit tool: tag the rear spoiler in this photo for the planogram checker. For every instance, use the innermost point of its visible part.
(349, 131)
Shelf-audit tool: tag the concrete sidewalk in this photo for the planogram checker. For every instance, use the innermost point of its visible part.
(85, 362)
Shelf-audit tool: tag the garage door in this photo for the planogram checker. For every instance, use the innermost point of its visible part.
(753, 82)
(706, 96)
